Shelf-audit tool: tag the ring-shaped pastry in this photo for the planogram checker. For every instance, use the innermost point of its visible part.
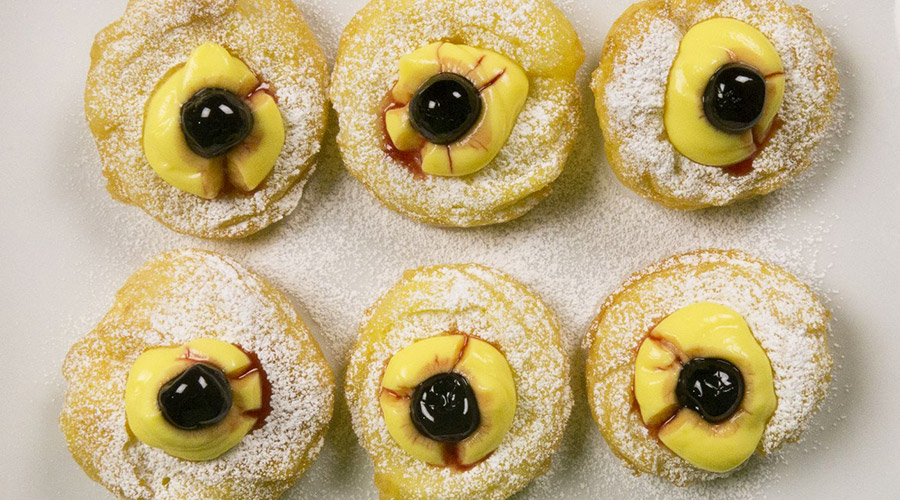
(728, 288)
(635, 74)
(725, 90)
(465, 319)
(533, 34)
(141, 53)
(206, 305)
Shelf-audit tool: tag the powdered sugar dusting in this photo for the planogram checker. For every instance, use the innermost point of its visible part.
(484, 303)
(533, 157)
(156, 37)
(785, 317)
(209, 296)
(635, 99)
(342, 249)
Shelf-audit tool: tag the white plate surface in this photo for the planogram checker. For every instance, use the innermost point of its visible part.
(65, 247)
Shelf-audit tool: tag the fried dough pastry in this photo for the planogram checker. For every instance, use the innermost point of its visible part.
(754, 315)
(214, 306)
(278, 70)
(482, 177)
(676, 108)
(481, 327)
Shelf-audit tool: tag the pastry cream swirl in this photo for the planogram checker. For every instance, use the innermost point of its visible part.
(704, 330)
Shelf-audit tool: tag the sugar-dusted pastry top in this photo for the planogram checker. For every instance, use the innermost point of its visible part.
(176, 298)
(784, 315)
(130, 59)
(487, 305)
(631, 84)
(532, 33)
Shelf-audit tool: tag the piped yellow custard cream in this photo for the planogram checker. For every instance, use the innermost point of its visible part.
(453, 108)
(724, 92)
(705, 386)
(448, 400)
(211, 121)
(195, 401)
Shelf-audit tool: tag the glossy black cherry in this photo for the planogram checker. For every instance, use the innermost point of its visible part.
(199, 397)
(444, 408)
(712, 387)
(445, 108)
(735, 98)
(214, 121)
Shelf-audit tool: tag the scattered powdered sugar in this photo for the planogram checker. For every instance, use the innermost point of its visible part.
(635, 100)
(341, 249)
(533, 156)
(155, 37)
(210, 296)
(785, 316)
(484, 303)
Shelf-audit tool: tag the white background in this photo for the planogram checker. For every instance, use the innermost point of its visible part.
(65, 248)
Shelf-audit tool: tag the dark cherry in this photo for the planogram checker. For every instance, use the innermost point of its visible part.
(445, 108)
(199, 397)
(735, 98)
(444, 408)
(712, 387)
(214, 121)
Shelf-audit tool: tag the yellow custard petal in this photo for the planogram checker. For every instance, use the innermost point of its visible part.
(402, 133)
(156, 367)
(167, 151)
(440, 57)
(420, 361)
(225, 356)
(503, 87)
(247, 392)
(704, 330)
(210, 66)
(489, 376)
(705, 48)
(250, 162)
(716, 449)
(492, 380)
(655, 381)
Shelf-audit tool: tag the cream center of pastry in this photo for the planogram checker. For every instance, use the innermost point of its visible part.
(448, 400)
(212, 121)
(195, 401)
(705, 385)
(724, 91)
(453, 108)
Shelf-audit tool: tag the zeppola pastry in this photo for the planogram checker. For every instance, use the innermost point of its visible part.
(704, 359)
(706, 102)
(201, 382)
(458, 385)
(454, 112)
(208, 114)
